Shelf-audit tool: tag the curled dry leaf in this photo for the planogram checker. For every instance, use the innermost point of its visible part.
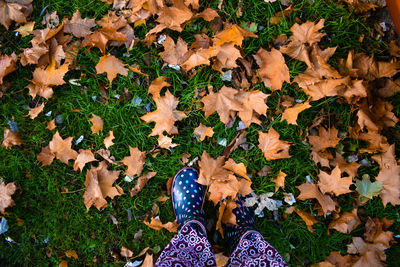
(165, 116)
(157, 85)
(126, 252)
(148, 261)
(108, 141)
(61, 148)
(226, 215)
(11, 139)
(271, 146)
(291, 114)
(34, 112)
(134, 162)
(98, 185)
(309, 191)
(156, 224)
(203, 131)
(346, 223)
(165, 142)
(97, 124)
(279, 180)
(142, 181)
(308, 218)
(85, 156)
(7, 65)
(6, 191)
(112, 66)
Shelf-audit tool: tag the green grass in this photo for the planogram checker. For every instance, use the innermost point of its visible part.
(62, 218)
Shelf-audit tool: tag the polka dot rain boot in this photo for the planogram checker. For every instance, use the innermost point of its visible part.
(187, 197)
(245, 222)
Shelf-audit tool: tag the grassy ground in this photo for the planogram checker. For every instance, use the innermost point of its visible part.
(61, 218)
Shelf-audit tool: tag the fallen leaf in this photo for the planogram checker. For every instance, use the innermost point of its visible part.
(51, 125)
(142, 181)
(211, 169)
(221, 259)
(239, 139)
(85, 156)
(346, 223)
(273, 70)
(309, 191)
(33, 54)
(324, 139)
(156, 224)
(308, 218)
(97, 124)
(77, 26)
(371, 254)
(34, 112)
(203, 131)
(367, 189)
(234, 34)
(148, 261)
(207, 14)
(174, 54)
(226, 57)
(14, 12)
(253, 106)
(157, 85)
(126, 252)
(174, 16)
(134, 162)
(291, 114)
(165, 116)
(26, 29)
(108, 141)
(279, 180)
(165, 142)
(271, 146)
(11, 139)
(7, 64)
(62, 148)
(46, 156)
(333, 183)
(112, 66)
(238, 169)
(71, 254)
(6, 191)
(63, 263)
(199, 57)
(390, 179)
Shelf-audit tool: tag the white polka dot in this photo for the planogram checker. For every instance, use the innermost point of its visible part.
(194, 206)
(183, 206)
(184, 187)
(190, 174)
(187, 191)
(184, 198)
(184, 170)
(180, 182)
(192, 195)
(181, 175)
(191, 185)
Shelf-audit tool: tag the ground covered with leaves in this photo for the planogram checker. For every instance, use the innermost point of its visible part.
(294, 103)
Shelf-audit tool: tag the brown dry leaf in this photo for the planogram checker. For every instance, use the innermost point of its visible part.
(199, 57)
(156, 224)
(221, 189)
(304, 36)
(323, 88)
(71, 254)
(239, 139)
(344, 166)
(106, 155)
(51, 125)
(142, 181)
(63, 263)
(390, 179)
(221, 259)
(273, 70)
(271, 146)
(165, 142)
(97, 124)
(16, 11)
(33, 55)
(336, 259)
(253, 106)
(7, 65)
(98, 185)
(166, 115)
(85, 156)
(278, 16)
(77, 26)
(234, 34)
(112, 66)
(11, 139)
(226, 215)
(226, 57)
(134, 162)
(34, 112)
(372, 254)
(308, 218)
(62, 148)
(108, 140)
(174, 54)
(291, 114)
(239, 169)
(346, 223)
(333, 183)
(157, 85)
(207, 14)
(148, 261)
(211, 169)
(309, 190)
(321, 157)
(324, 139)
(203, 131)
(46, 156)
(223, 102)
(6, 191)
(126, 252)
(279, 180)
(174, 16)
(44, 79)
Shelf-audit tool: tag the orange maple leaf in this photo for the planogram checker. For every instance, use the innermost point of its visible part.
(271, 146)
(112, 66)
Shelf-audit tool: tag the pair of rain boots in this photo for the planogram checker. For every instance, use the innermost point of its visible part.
(188, 197)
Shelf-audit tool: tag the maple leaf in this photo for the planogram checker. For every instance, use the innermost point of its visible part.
(309, 191)
(126, 252)
(174, 16)
(234, 34)
(97, 124)
(226, 57)
(85, 156)
(6, 191)
(62, 148)
(367, 189)
(71, 254)
(77, 26)
(33, 55)
(323, 88)
(25, 29)
(308, 218)
(34, 112)
(324, 139)
(157, 85)
(51, 125)
(350, 168)
(371, 253)
(156, 224)
(166, 115)
(203, 131)
(134, 162)
(221, 259)
(321, 157)
(223, 102)
(165, 142)
(16, 11)
(207, 14)
(390, 179)
(273, 70)
(46, 156)
(142, 181)
(44, 79)
(108, 140)
(106, 155)
(112, 66)
(291, 114)
(11, 139)
(271, 146)
(7, 65)
(211, 169)
(98, 185)
(374, 230)
(221, 189)
(199, 57)
(253, 105)
(304, 36)
(332, 183)
(174, 54)
(346, 223)
(279, 180)
(226, 215)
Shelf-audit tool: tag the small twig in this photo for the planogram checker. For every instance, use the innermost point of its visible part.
(70, 192)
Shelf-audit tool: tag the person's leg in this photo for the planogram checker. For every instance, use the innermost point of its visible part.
(190, 246)
(246, 245)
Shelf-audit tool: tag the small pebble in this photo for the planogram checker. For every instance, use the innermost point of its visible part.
(59, 119)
